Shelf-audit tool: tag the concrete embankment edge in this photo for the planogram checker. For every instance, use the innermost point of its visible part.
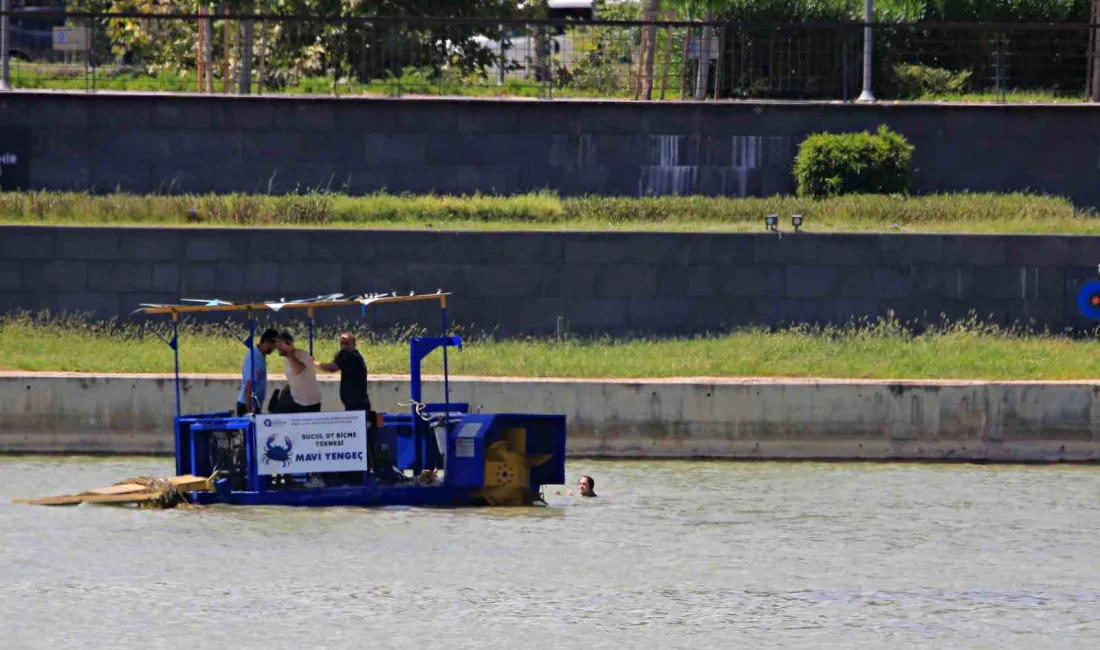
(682, 418)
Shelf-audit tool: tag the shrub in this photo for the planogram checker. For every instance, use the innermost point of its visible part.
(832, 164)
(915, 81)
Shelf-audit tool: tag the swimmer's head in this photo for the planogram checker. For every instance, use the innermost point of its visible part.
(586, 487)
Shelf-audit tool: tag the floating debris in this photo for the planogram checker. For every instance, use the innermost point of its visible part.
(143, 492)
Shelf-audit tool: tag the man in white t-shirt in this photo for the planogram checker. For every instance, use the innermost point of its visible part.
(301, 377)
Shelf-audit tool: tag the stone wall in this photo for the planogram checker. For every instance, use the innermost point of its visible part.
(195, 143)
(538, 282)
(737, 419)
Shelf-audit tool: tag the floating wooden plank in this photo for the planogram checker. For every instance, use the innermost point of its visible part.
(192, 483)
(134, 491)
(77, 499)
(124, 488)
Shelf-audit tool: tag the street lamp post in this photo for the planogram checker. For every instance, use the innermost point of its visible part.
(868, 12)
(5, 45)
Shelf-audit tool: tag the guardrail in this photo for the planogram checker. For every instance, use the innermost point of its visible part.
(265, 54)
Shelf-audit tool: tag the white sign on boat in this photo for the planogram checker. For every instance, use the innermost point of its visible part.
(301, 443)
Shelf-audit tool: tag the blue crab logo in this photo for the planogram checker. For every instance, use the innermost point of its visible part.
(275, 453)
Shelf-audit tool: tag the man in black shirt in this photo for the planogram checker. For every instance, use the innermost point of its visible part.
(353, 374)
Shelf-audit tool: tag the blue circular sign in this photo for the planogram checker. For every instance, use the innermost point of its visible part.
(1088, 300)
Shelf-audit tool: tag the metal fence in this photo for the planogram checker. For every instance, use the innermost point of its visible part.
(268, 54)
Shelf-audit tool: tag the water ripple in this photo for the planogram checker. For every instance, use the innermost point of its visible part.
(673, 555)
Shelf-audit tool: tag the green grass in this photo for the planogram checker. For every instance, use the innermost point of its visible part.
(35, 76)
(1011, 97)
(974, 213)
(882, 350)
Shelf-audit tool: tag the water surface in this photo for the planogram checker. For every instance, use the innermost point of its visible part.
(671, 555)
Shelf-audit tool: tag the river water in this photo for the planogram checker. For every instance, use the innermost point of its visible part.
(670, 555)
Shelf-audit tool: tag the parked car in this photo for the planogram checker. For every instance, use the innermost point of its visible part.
(32, 33)
(519, 52)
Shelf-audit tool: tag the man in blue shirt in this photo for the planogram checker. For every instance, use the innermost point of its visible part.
(254, 388)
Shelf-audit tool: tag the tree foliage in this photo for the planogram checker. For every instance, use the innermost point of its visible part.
(360, 48)
(403, 42)
(890, 10)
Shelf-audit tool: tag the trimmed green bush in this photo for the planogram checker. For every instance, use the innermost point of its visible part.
(915, 81)
(832, 164)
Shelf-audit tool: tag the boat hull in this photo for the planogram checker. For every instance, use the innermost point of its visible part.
(361, 497)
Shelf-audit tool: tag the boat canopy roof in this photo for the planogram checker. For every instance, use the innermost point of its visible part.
(203, 305)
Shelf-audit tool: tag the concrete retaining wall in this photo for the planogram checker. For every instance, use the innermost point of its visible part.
(737, 419)
(670, 283)
(203, 143)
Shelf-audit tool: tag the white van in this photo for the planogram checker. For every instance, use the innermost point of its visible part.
(520, 53)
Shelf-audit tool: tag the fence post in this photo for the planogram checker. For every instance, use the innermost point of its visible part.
(1090, 65)
(5, 41)
(868, 14)
(200, 45)
(684, 62)
(88, 60)
(999, 72)
(395, 85)
(703, 78)
(225, 49)
(845, 47)
(668, 55)
(263, 59)
(1094, 52)
(208, 51)
(245, 65)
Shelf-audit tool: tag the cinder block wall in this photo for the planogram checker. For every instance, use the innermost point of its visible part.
(145, 142)
(537, 282)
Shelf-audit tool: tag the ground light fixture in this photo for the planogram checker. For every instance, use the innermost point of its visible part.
(771, 222)
(796, 221)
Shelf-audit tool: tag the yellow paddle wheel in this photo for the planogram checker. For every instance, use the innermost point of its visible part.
(508, 470)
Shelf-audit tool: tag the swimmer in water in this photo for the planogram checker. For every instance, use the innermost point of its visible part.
(586, 487)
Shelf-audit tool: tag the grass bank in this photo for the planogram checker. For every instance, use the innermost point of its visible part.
(48, 76)
(989, 213)
(880, 350)
(35, 76)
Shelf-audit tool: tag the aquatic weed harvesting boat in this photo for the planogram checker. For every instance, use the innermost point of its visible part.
(437, 454)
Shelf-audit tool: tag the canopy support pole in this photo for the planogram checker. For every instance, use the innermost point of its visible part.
(310, 312)
(446, 381)
(175, 345)
(249, 343)
(418, 349)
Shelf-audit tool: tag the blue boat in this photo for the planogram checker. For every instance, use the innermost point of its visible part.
(436, 454)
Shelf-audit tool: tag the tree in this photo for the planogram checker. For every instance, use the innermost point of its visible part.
(362, 48)
(707, 8)
(648, 46)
